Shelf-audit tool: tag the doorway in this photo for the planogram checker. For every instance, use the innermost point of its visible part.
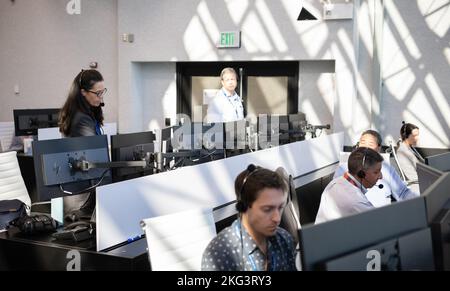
(266, 87)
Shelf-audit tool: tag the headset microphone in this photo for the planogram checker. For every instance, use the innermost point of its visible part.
(381, 186)
(102, 103)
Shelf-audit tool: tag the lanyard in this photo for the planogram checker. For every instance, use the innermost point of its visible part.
(347, 177)
(360, 186)
(238, 229)
(98, 128)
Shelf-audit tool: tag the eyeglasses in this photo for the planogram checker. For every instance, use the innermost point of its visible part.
(99, 93)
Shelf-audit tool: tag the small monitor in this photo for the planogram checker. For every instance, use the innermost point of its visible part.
(27, 121)
(52, 162)
(440, 161)
(297, 123)
(203, 143)
(370, 239)
(272, 130)
(427, 176)
(235, 135)
(213, 136)
(131, 147)
(166, 138)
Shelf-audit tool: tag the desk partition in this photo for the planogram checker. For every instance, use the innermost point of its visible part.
(121, 206)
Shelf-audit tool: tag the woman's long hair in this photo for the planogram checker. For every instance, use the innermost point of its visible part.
(77, 102)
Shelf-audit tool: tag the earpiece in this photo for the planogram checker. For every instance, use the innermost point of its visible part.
(242, 204)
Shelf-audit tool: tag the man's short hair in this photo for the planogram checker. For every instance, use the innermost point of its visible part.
(375, 134)
(362, 159)
(251, 181)
(228, 70)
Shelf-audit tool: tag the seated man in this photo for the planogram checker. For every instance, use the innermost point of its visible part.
(393, 185)
(254, 242)
(345, 195)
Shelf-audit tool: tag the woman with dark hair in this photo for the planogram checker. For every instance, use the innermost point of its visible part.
(408, 156)
(82, 114)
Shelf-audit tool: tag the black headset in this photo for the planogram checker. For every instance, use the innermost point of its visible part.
(404, 132)
(242, 204)
(81, 77)
(361, 173)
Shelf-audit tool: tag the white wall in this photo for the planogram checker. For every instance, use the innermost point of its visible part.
(416, 69)
(404, 68)
(42, 48)
(317, 91)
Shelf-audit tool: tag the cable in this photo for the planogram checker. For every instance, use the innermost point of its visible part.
(87, 189)
(205, 156)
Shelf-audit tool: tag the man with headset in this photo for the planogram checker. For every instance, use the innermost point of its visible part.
(345, 195)
(254, 242)
(393, 185)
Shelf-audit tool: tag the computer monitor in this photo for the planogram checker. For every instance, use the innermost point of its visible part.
(166, 138)
(27, 121)
(196, 135)
(437, 204)
(393, 237)
(55, 177)
(297, 123)
(440, 161)
(273, 130)
(427, 176)
(235, 133)
(213, 135)
(201, 142)
(131, 147)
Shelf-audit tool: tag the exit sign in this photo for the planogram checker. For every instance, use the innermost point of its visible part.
(229, 39)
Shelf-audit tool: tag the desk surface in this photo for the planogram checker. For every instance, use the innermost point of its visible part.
(43, 252)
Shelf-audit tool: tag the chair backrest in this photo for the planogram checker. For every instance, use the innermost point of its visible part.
(176, 241)
(290, 220)
(12, 185)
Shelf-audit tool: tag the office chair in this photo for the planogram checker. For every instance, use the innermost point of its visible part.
(290, 219)
(12, 185)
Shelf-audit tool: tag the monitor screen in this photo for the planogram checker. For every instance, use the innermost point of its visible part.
(297, 124)
(27, 121)
(213, 136)
(55, 177)
(427, 176)
(166, 138)
(440, 161)
(235, 134)
(273, 130)
(377, 230)
(131, 147)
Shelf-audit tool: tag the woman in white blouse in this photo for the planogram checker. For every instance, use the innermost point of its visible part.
(408, 156)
